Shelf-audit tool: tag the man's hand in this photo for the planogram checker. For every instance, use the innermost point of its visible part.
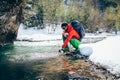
(61, 51)
(65, 34)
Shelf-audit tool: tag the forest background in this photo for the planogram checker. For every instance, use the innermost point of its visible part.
(95, 15)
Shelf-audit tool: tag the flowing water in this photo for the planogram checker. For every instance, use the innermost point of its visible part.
(29, 61)
(35, 61)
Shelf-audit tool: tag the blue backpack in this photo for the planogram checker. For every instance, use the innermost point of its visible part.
(79, 28)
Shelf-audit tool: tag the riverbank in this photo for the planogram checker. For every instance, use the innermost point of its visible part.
(74, 69)
(34, 61)
(56, 68)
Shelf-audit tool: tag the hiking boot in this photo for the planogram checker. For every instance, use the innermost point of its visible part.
(63, 51)
(66, 50)
(77, 51)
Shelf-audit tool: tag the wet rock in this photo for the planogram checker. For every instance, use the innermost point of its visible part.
(10, 17)
(75, 76)
(86, 70)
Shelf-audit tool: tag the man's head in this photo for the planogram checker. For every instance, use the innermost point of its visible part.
(64, 25)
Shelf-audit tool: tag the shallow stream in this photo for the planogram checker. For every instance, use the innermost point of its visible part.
(29, 61)
(34, 61)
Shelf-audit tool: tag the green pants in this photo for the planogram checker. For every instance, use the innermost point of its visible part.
(74, 42)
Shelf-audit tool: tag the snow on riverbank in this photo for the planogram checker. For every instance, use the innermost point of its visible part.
(105, 52)
(32, 34)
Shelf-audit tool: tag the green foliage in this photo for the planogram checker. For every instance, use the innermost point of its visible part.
(7, 5)
(31, 21)
(106, 14)
(113, 14)
(40, 15)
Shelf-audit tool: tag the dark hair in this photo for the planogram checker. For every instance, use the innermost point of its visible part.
(64, 24)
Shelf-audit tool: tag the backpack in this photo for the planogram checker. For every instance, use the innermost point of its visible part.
(79, 28)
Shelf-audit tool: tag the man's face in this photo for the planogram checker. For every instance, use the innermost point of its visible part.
(64, 27)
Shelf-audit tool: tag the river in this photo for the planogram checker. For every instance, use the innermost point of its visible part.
(25, 60)
(20, 61)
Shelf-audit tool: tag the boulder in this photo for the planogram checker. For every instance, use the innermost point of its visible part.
(10, 18)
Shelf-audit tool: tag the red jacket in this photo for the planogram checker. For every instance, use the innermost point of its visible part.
(71, 34)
